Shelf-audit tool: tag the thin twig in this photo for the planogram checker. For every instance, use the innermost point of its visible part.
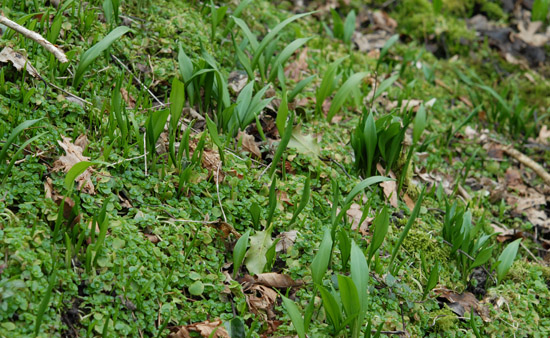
(138, 80)
(70, 94)
(218, 190)
(58, 53)
(192, 221)
(263, 171)
(145, 152)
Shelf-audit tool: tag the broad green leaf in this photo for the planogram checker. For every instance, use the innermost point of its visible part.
(348, 295)
(343, 93)
(506, 259)
(285, 54)
(363, 185)
(327, 84)
(349, 26)
(385, 85)
(482, 257)
(332, 309)
(239, 251)
(296, 316)
(91, 54)
(272, 35)
(360, 275)
(432, 280)
(304, 144)
(320, 262)
(391, 41)
(256, 259)
(419, 124)
(75, 171)
(282, 114)
(299, 87)
(381, 225)
(236, 328)
(370, 138)
(177, 100)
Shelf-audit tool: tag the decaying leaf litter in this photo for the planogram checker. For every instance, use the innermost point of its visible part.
(143, 244)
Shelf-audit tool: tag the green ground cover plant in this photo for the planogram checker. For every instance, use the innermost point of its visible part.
(256, 169)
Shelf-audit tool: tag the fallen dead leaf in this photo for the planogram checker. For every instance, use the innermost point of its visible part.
(225, 228)
(295, 69)
(249, 144)
(211, 161)
(276, 280)
(128, 98)
(304, 144)
(207, 329)
(152, 238)
(261, 300)
(529, 34)
(286, 240)
(236, 81)
(72, 157)
(544, 136)
(462, 303)
(18, 60)
(408, 201)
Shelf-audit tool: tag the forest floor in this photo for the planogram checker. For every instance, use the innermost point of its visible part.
(275, 168)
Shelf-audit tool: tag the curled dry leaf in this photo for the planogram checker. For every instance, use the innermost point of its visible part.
(249, 144)
(462, 303)
(18, 60)
(236, 81)
(295, 69)
(226, 228)
(128, 98)
(276, 280)
(72, 157)
(286, 240)
(68, 203)
(260, 300)
(544, 136)
(207, 329)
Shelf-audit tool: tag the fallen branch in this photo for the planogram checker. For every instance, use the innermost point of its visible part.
(58, 53)
(537, 168)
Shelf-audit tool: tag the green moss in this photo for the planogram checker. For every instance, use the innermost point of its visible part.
(458, 7)
(492, 10)
(444, 319)
(419, 241)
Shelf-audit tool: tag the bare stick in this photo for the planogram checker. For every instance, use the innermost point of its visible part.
(58, 53)
(537, 168)
(137, 80)
(70, 94)
(218, 190)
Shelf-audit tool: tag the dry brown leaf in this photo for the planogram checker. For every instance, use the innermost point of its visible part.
(82, 141)
(260, 300)
(72, 157)
(283, 197)
(249, 144)
(211, 161)
(276, 280)
(544, 135)
(529, 34)
(225, 228)
(505, 235)
(286, 240)
(18, 60)
(206, 329)
(295, 69)
(236, 81)
(128, 98)
(152, 238)
(389, 187)
(462, 303)
(408, 201)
